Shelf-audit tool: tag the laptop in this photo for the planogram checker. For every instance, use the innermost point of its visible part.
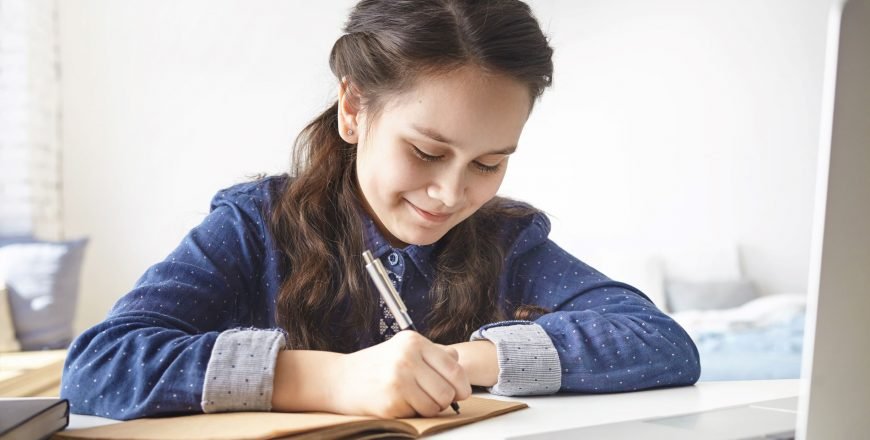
(834, 401)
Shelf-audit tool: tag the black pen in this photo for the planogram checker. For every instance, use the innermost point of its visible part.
(394, 302)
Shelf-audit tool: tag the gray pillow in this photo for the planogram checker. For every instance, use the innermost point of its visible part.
(42, 279)
(708, 295)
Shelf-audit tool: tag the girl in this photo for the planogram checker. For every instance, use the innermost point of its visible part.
(266, 305)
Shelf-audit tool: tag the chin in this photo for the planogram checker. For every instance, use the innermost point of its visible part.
(421, 239)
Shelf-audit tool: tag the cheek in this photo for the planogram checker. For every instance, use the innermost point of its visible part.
(371, 181)
(403, 173)
(484, 190)
(365, 174)
(389, 174)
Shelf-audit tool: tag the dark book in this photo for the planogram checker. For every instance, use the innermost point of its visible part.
(23, 418)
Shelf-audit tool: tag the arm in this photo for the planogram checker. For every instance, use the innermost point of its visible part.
(479, 359)
(610, 339)
(302, 380)
(601, 335)
(151, 354)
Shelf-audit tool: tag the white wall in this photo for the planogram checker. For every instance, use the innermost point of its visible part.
(670, 125)
(679, 123)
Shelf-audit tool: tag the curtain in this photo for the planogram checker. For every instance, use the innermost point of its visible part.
(30, 160)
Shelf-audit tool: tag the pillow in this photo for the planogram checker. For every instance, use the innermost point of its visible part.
(702, 263)
(708, 295)
(42, 280)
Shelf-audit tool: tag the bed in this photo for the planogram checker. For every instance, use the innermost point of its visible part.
(740, 334)
(761, 339)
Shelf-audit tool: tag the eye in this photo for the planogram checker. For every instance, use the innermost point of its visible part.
(487, 169)
(423, 156)
(478, 166)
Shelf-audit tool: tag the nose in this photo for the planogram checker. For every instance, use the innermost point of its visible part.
(449, 188)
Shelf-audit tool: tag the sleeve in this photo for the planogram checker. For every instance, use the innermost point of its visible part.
(603, 336)
(173, 344)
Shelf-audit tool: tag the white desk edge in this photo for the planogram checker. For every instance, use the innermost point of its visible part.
(549, 413)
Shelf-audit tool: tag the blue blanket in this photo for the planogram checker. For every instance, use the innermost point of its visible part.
(772, 352)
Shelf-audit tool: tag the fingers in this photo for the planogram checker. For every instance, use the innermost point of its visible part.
(428, 379)
(438, 391)
(415, 382)
(420, 396)
(443, 360)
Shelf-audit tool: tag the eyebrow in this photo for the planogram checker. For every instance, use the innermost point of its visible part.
(438, 137)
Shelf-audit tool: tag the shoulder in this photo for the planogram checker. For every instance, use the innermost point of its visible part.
(517, 224)
(256, 195)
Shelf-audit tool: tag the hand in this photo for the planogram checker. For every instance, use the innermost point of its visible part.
(401, 377)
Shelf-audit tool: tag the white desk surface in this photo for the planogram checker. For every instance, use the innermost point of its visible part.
(550, 413)
(563, 411)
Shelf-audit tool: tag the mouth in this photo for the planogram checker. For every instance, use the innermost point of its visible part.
(430, 216)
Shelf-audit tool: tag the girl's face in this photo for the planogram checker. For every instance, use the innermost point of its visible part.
(436, 153)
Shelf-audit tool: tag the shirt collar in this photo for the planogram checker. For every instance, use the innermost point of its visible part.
(375, 242)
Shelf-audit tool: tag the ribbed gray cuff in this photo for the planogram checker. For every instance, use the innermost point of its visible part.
(241, 370)
(527, 360)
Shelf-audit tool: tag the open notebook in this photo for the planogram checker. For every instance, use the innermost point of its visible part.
(269, 425)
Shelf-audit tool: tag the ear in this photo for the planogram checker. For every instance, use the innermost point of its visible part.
(348, 111)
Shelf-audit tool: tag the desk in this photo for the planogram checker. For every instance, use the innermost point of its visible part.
(549, 413)
(31, 373)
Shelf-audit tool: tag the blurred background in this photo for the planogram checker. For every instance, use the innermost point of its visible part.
(676, 150)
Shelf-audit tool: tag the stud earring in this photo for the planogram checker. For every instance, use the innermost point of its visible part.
(350, 132)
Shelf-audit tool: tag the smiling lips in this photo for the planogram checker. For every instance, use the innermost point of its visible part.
(431, 216)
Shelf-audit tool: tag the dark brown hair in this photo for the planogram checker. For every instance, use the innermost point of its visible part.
(387, 46)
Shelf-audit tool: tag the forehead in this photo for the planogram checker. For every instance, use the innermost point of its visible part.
(473, 109)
